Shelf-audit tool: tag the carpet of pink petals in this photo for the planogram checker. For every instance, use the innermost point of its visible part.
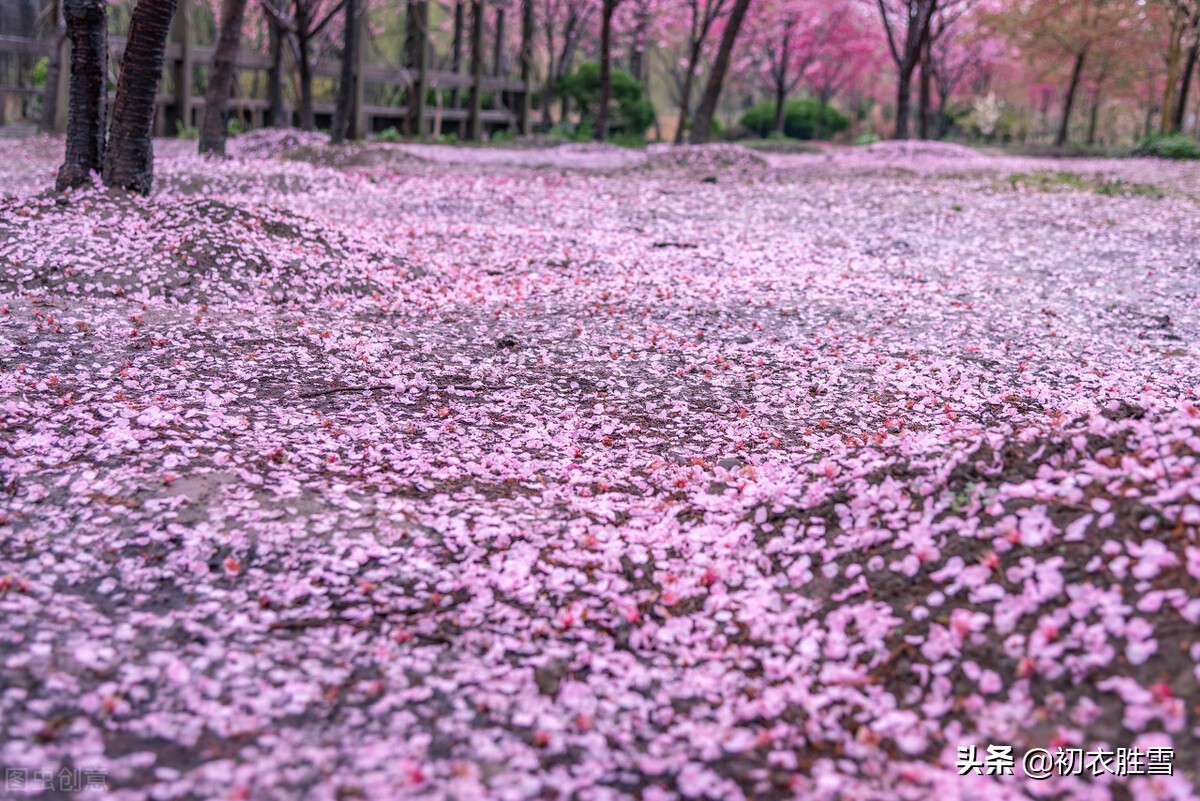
(582, 473)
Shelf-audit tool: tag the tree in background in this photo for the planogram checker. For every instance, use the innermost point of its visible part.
(214, 126)
(307, 20)
(607, 11)
(701, 17)
(564, 24)
(906, 24)
(702, 124)
(345, 94)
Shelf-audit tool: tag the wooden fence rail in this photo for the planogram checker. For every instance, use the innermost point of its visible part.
(511, 97)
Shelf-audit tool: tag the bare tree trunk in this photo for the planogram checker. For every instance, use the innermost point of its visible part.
(702, 124)
(308, 115)
(925, 93)
(1093, 117)
(1185, 87)
(220, 78)
(780, 125)
(87, 26)
(345, 95)
(53, 69)
(460, 25)
(601, 132)
(275, 77)
(686, 101)
(1064, 127)
(129, 160)
(903, 103)
(474, 115)
(527, 31)
(498, 63)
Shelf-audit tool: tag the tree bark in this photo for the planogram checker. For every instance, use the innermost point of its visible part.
(129, 161)
(460, 25)
(87, 27)
(780, 125)
(345, 95)
(53, 69)
(1093, 118)
(220, 78)
(1064, 128)
(308, 115)
(275, 115)
(601, 132)
(903, 103)
(527, 31)
(686, 101)
(1185, 86)
(498, 65)
(925, 93)
(702, 124)
(475, 113)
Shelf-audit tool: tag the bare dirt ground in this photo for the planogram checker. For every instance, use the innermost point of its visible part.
(580, 473)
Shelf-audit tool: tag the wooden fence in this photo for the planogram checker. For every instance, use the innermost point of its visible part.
(510, 108)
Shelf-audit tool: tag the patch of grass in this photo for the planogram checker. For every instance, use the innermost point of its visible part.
(1168, 146)
(1074, 182)
(773, 144)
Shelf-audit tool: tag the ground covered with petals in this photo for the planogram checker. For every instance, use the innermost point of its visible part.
(580, 473)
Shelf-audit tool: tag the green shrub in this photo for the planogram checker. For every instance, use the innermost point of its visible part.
(37, 75)
(235, 127)
(630, 112)
(1168, 146)
(799, 121)
(389, 134)
(186, 131)
(869, 138)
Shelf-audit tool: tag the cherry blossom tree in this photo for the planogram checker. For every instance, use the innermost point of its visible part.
(906, 24)
(220, 78)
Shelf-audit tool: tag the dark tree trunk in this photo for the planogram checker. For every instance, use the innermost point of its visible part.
(475, 112)
(498, 65)
(943, 98)
(780, 125)
(129, 161)
(345, 96)
(220, 78)
(53, 69)
(1094, 117)
(702, 124)
(308, 115)
(1189, 69)
(925, 92)
(685, 103)
(87, 27)
(460, 25)
(903, 103)
(275, 116)
(1064, 127)
(527, 30)
(601, 132)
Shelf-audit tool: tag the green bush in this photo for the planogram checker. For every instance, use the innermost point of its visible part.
(868, 138)
(799, 121)
(631, 112)
(37, 75)
(1168, 146)
(186, 131)
(389, 134)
